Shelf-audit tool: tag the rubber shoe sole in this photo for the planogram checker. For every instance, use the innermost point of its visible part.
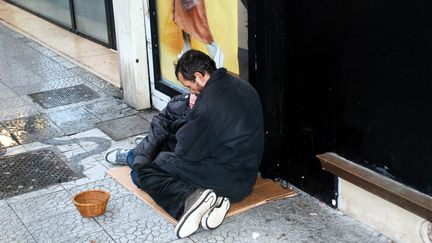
(191, 220)
(215, 216)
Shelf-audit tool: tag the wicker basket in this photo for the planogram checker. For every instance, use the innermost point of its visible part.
(91, 203)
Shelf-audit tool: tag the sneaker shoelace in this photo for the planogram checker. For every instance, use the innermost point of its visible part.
(122, 155)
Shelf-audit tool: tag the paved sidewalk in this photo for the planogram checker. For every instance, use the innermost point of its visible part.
(48, 103)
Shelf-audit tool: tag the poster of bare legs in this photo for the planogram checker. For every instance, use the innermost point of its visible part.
(206, 25)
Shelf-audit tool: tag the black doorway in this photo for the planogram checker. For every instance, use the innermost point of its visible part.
(350, 77)
(287, 40)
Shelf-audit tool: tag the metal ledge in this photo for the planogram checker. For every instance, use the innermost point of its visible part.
(394, 192)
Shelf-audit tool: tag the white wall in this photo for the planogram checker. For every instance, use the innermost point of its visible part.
(132, 50)
(159, 99)
(387, 218)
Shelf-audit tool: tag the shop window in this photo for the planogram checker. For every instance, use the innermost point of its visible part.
(218, 28)
(57, 10)
(91, 19)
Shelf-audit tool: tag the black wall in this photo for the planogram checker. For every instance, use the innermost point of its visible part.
(351, 77)
(385, 110)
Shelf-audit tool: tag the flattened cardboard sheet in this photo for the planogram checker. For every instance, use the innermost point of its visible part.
(264, 191)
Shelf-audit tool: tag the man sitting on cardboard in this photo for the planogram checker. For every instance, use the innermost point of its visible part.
(203, 150)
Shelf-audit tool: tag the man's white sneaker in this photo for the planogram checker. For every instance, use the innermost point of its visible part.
(117, 156)
(196, 205)
(138, 139)
(426, 231)
(215, 215)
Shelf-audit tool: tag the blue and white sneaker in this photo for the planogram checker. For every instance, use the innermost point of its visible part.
(117, 156)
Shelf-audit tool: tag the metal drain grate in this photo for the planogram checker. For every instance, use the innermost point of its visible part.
(30, 171)
(64, 96)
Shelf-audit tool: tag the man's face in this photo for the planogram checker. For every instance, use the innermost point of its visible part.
(192, 85)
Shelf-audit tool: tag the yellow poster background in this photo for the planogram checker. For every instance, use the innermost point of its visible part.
(223, 21)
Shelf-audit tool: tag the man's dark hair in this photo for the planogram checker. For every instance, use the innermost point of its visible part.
(194, 61)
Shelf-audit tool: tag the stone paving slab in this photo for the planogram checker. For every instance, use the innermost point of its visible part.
(13, 102)
(298, 219)
(68, 226)
(31, 68)
(98, 236)
(32, 128)
(126, 209)
(14, 150)
(18, 234)
(73, 120)
(6, 92)
(8, 218)
(100, 83)
(110, 109)
(116, 190)
(38, 208)
(20, 78)
(19, 112)
(124, 127)
(2, 86)
(7, 139)
(144, 230)
(34, 194)
(31, 88)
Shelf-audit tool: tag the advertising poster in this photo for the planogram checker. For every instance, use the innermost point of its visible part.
(207, 25)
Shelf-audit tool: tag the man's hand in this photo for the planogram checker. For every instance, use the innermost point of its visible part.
(192, 99)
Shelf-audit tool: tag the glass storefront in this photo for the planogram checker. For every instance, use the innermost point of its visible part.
(92, 19)
(57, 10)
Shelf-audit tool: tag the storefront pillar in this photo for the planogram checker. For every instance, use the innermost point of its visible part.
(132, 50)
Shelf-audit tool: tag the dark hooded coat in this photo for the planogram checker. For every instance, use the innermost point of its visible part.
(218, 144)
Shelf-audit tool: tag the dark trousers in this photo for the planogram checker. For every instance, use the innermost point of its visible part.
(166, 190)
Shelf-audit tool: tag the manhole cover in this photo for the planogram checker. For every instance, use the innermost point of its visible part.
(64, 96)
(30, 171)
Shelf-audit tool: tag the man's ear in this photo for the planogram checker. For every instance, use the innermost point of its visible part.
(198, 76)
(199, 79)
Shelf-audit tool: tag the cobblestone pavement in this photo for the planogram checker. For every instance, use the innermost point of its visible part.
(47, 102)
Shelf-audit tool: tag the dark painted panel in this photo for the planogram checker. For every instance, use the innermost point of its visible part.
(351, 77)
(385, 113)
(297, 68)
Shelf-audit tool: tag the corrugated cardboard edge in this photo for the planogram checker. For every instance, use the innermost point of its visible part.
(122, 175)
(264, 191)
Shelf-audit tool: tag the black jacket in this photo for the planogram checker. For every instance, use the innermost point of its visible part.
(163, 127)
(218, 144)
